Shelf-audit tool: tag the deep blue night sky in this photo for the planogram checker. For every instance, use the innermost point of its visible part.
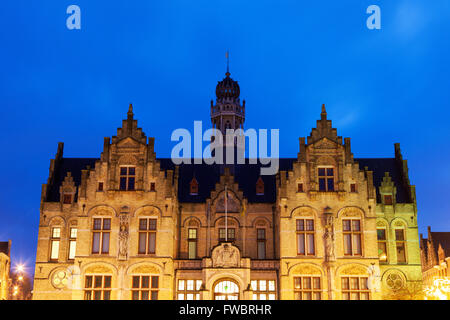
(379, 86)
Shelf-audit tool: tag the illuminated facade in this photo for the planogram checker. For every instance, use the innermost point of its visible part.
(435, 253)
(5, 267)
(129, 225)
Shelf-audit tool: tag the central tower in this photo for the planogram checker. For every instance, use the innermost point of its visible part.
(227, 113)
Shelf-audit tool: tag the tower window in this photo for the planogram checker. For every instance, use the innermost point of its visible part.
(192, 243)
(193, 187)
(326, 179)
(353, 187)
(388, 199)
(100, 186)
(260, 187)
(152, 186)
(67, 199)
(300, 187)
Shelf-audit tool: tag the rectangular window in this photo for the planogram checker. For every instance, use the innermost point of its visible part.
(400, 245)
(55, 241)
(100, 186)
(101, 235)
(144, 288)
(189, 289)
(352, 237)
(152, 186)
(261, 243)
(147, 236)
(388, 199)
(97, 287)
(353, 187)
(307, 288)
(127, 178)
(382, 245)
(355, 288)
(305, 237)
(192, 243)
(300, 187)
(326, 179)
(72, 243)
(263, 289)
(231, 234)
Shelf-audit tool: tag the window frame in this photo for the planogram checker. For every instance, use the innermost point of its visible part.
(401, 242)
(359, 291)
(151, 290)
(90, 291)
(192, 240)
(55, 239)
(352, 233)
(185, 291)
(102, 233)
(306, 236)
(72, 241)
(327, 178)
(128, 178)
(300, 291)
(259, 292)
(149, 232)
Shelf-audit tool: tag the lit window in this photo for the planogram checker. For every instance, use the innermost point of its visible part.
(97, 287)
(352, 237)
(189, 289)
(72, 243)
(145, 288)
(382, 245)
(263, 289)
(147, 236)
(231, 234)
(307, 288)
(326, 179)
(101, 235)
(400, 245)
(192, 243)
(305, 237)
(355, 288)
(127, 178)
(55, 241)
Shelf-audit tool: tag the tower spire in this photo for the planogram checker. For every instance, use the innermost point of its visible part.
(323, 114)
(130, 111)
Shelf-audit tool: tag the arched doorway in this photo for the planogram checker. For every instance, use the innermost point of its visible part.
(226, 290)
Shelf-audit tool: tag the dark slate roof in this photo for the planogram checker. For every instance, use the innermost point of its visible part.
(245, 175)
(381, 165)
(442, 238)
(4, 247)
(74, 165)
(207, 176)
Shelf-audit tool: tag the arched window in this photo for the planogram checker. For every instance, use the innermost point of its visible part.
(226, 290)
(193, 187)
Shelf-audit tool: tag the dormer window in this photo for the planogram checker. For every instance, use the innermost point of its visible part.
(67, 199)
(193, 187)
(127, 178)
(326, 179)
(260, 187)
(388, 199)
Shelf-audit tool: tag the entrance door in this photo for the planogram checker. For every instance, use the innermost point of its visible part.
(226, 290)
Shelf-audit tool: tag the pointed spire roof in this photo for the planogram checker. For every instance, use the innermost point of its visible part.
(130, 129)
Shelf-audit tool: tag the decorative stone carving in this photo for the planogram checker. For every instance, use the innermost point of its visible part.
(354, 270)
(98, 269)
(394, 281)
(123, 237)
(328, 238)
(60, 278)
(305, 269)
(145, 269)
(226, 255)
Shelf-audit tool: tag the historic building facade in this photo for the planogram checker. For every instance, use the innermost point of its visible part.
(435, 253)
(5, 267)
(129, 225)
